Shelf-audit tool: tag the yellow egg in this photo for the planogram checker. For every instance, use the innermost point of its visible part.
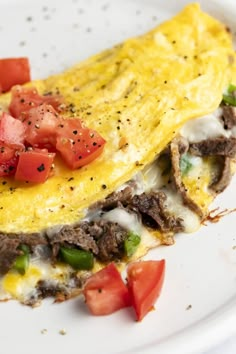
(141, 91)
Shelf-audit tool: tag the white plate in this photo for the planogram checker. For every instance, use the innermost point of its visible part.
(201, 268)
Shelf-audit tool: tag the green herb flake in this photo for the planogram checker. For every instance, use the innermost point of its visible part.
(229, 98)
(185, 164)
(131, 243)
(21, 263)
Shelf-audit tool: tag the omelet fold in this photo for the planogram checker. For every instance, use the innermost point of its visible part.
(141, 92)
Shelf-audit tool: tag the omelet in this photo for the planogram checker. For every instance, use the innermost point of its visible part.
(151, 180)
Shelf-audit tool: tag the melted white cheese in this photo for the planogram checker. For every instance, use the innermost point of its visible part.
(205, 127)
(174, 204)
(153, 177)
(128, 221)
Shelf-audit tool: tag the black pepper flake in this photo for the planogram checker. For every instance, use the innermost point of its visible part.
(185, 57)
(104, 186)
(118, 128)
(41, 168)
(99, 290)
(70, 179)
(94, 143)
(137, 163)
(173, 42)
(88, 113)
(4, 182)
(1, 207)
(76, 89)
(165, 82)
(75, 132)
(72, 188)
(22, 100)
(119, 112)
(91, 178)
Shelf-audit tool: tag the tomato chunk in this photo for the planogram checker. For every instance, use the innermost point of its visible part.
(13, 71)
(8, 161)
(24, 99)
(80, 146)
(41, 126)
(12, 131)
(105, 291)
(145, 280)
(34, 165)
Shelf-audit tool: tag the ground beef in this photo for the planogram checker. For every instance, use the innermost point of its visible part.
(229, 116)
(214, 147)
(8, 252)
(103, 238)
(73, 235)
(9, 244)
(111, 243)
(154, 213)
(112, 200)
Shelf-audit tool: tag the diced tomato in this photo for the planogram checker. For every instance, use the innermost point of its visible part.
(79, 147)
(13, 71)
(105, 291)
(8, 161)
(34, 165)
(24, 99)
(12, 131)
(41, 126)
(145, 280)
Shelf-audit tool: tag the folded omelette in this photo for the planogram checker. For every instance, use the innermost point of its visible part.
(157, 101)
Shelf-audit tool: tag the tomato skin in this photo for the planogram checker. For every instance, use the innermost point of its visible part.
(13, 71)
(105, 291)
(145, 280)
(81, 148)
(12, 131)
(34, 165)
(41, 126)
(8, 161)
(24, 99)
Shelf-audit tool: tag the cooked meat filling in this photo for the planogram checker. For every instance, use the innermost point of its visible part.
(105, 239)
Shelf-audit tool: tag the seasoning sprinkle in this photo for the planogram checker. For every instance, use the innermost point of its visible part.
(41, 168)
